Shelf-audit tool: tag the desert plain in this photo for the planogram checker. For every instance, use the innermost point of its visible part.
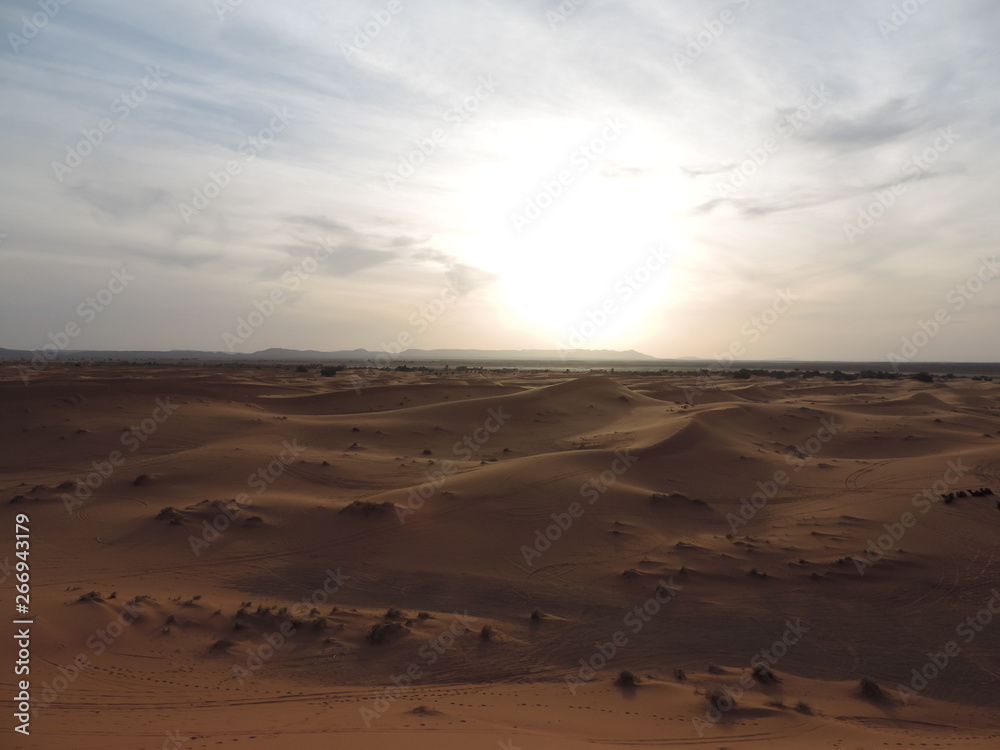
(255, 557)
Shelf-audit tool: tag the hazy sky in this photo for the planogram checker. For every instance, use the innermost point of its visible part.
(785, 178)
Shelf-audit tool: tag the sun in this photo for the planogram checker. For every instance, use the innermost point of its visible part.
(578, 221)
(603, 262)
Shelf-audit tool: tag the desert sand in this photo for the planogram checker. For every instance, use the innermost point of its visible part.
(470, 560)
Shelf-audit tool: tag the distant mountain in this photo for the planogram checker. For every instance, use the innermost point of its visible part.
(358, 355)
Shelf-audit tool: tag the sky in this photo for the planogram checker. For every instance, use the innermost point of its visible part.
(728, 180)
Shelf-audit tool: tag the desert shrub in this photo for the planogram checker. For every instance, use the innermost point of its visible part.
(626, 679)
(763, 674)
(803, 708)
(367, 508)
(328, 371)
(536, 615)
(839, 376)
(719, 700)
(382, 632)
(168, 513)
(871, 690)
(486, 634)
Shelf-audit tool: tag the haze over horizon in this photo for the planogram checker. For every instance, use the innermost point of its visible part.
(801, 181)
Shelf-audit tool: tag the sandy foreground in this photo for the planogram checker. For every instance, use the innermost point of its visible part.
(261, 558)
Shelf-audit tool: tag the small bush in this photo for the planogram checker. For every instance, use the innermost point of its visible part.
(719, 700)
(486, 634)
(626, 679)
(763, 674)
(368, 508)
(871, 690)
(382, 632)
(803, 708)
(536, 615)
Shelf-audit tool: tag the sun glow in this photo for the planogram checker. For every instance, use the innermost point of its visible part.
(579, 222)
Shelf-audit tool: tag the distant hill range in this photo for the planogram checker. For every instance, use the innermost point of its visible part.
(359, 355)
(548, 358)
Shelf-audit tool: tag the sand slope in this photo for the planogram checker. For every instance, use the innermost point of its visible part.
(412, 512)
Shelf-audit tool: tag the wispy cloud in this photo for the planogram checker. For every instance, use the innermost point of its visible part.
(207, 127)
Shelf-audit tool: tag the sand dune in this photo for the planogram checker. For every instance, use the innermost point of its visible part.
(276, 557)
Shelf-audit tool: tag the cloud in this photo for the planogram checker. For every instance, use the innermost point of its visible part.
(353, 116)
